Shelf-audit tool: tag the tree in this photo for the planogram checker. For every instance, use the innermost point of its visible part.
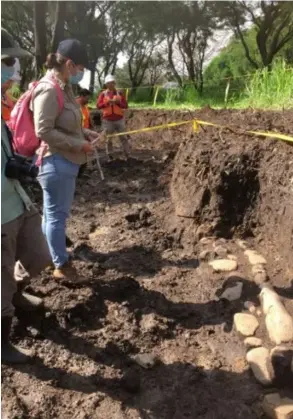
(86, 21)
(59, 22)
(273, 21)
(157, 69)
(40, 8)
(17, 19)
(117, 28)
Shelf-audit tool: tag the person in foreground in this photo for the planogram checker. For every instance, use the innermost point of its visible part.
(21, 235)
(65, 145)
(112, 103)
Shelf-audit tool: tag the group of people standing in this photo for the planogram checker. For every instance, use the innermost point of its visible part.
(31, 243)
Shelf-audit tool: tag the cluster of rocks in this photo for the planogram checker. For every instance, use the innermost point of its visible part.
(269, 367)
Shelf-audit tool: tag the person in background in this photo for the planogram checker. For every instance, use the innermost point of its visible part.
(7, 101)
(83, 100)
(21, 234)
(66, 146)
(112, 104)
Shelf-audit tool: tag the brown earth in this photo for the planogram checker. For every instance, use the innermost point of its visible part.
(146, 291)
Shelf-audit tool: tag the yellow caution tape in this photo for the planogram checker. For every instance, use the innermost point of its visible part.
(195, 125)
(148, 129)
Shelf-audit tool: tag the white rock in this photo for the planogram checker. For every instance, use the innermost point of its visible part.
(145, 360)
(246, 324)
(260, 278)
(252, 342)
(232, 257)
(278, 321)
(254, 257)
(233, 293)
(276, 407)
(258, 269)
(259, 361)
(223, 265)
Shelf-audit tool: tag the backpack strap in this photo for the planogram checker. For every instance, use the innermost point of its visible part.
(60, 97)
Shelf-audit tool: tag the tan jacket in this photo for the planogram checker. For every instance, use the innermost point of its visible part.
(61, 131)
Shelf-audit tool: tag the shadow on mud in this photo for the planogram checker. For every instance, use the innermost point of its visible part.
(134, 260)
(285, 292)
(183, 390)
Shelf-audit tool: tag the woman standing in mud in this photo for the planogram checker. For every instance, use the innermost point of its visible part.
(66, 146)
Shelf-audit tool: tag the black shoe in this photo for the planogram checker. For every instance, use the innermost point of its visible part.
(27, 302)
(11, 354)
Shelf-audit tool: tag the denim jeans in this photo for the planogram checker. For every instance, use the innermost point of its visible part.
(57, 177)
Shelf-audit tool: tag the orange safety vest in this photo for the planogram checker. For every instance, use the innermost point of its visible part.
(7, 104)
(85, 116)
(112, 109)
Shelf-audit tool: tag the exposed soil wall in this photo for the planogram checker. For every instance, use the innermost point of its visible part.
(225, 182)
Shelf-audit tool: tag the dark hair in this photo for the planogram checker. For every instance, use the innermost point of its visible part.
(84, 92)
(55, 61)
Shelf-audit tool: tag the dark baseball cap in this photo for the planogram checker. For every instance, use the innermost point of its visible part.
(74, 50)
(9, 47)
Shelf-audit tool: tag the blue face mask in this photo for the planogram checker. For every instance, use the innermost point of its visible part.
(6, 73)
(76, 78)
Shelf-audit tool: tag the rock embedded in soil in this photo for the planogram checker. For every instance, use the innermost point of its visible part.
(252, 342)
(259, 361)
(259, 274)
(254, 257)
(145, 360)
(258, 269)
(223, 265)
(260, 278)
(206, 241)
(276, 407)
(206, 255)
(242, 244)
(278, 321)
(245, 324)
(221, 251)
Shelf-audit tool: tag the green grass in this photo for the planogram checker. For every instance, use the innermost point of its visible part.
(263, 90)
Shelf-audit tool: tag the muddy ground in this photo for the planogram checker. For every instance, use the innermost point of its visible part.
(136, 241)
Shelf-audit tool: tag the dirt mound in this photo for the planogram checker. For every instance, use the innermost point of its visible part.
(225, 184)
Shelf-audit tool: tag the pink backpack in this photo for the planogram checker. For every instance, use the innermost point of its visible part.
(25, 141)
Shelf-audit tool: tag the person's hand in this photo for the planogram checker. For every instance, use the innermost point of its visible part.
(89, 147)
(117, 99)
(93, 137)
